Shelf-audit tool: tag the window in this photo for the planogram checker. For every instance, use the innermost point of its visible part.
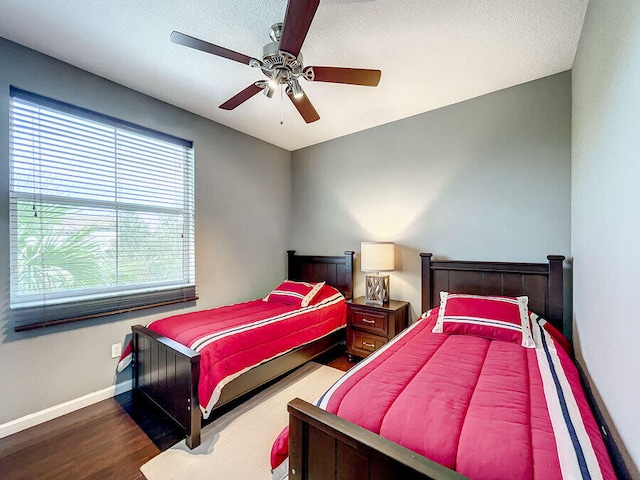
(101, 214)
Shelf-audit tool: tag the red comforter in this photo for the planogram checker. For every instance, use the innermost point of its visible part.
(488, 409)
(235, 338)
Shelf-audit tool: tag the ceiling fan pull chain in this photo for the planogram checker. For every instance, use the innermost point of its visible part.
(281, 104)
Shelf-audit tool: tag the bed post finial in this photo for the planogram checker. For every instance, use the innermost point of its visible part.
(292, 270)
(426, 281)
(556, 296)
(348, 256)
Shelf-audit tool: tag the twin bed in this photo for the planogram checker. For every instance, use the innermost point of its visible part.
(479, 386)
(189, 365)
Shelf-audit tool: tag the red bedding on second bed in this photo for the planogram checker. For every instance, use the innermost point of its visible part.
(485, 408)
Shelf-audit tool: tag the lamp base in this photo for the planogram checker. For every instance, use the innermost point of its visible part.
(376, 289)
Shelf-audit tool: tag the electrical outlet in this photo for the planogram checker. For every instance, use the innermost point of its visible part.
(116, 350)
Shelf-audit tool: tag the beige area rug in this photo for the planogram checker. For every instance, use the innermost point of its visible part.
(238, 444)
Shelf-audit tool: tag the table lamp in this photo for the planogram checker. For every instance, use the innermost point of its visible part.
(376, 257)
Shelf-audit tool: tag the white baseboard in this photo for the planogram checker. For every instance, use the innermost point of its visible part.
(56, 411)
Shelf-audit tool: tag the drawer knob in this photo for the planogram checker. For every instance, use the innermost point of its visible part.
(366, 320)
(371, 345)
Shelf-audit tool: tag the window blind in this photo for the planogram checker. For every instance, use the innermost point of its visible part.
(101, 214)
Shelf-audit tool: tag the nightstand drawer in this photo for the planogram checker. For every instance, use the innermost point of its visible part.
(373, 322)
(369, 327)
(366, 343)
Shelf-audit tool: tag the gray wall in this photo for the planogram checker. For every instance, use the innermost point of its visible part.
(243, 212)
(606, 212)
(485, 179)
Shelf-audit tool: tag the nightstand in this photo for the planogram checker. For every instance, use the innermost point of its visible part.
(371, 326)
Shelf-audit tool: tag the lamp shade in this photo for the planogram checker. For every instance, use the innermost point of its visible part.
(377, 256)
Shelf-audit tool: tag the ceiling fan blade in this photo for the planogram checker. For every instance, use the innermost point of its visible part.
(191, 42)
(304, 107)
(241, 97)
(353, 76)
(297, 21)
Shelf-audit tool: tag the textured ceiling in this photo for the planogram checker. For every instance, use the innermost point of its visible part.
(432, 53)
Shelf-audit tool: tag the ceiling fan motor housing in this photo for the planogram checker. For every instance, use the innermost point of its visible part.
(274, 59)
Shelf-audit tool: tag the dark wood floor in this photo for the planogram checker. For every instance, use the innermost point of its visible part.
(108, 440)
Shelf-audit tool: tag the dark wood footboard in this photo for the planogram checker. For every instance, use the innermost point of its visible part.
(326, 447)
(167, 373)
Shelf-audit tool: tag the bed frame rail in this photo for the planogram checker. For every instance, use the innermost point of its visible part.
(342, 450)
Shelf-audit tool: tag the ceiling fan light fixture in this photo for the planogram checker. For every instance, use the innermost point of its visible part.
(296, 89)
(276, 78)
(268, 90)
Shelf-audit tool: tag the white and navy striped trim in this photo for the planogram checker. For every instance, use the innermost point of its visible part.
(576, 455)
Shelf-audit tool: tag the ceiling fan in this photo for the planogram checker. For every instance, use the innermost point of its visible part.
(282, 61)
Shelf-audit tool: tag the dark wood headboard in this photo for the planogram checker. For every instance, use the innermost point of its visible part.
(335, 271)
(541, 282)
